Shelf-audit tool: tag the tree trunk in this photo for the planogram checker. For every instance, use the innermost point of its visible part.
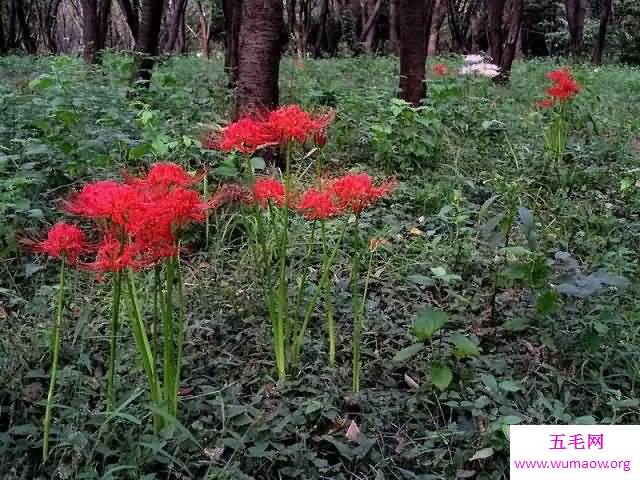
(148, 38)
(496, 12)
(177, 24)
(370, 19)
(130, 12)
(605, 13)
(28, 40)
(259, 50)
(439, 10)
(205, 30)
(95, 17)
(575, 20)
(394, 33)
(3, 42)
(291, 17)
(412, 23)
(322, 28)
(510, 43)
(232, 10)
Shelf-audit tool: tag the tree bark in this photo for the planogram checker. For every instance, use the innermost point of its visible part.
(394, 33)
(575, 19)
(177, 24)
(95, 18)
(412, 20)
(28, 40)
(260, 48)
(232, 10)
(510, 43)
(605, 13)
(130, 11)
(496, 12)
(148, 39)
(369, 20)
(439, 10)
(322, 27)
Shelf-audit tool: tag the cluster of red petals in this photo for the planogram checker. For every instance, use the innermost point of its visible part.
(281, 126)
(564, 88)
(356, 191)
(139, 220)
(266, 190)
(245, 136)
(440, 70)
(318, 205)
(63, 241)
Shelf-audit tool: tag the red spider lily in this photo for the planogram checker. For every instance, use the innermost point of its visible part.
(356, 192)
(292, 124)
(113, 256)
(440, 70)
(245, 136)
(166, 175)
(63, 241)
(318, 205)
(105, 200)
(228, 193)
(564, 86)
(268, 189)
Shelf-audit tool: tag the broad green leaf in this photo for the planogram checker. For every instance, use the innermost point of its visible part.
(408, 352)
(464, 347)
(441, 376)
(428, 322)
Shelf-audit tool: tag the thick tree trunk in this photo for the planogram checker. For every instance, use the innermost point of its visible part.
(394, 33)
(130, 11)
(439, 11)
(232, 10)
(412, 19)
(322, 27)
(605, 13)
(176, 25)
(291, 18)
(510, 43)
(95, 17)
(496, 12)
(148, 39)
(575, 19)
(259, 56)
(3, 41)
(28, 40)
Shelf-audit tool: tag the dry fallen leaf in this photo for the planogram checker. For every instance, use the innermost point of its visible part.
(353, 432)
(415, 231)
(411, 382)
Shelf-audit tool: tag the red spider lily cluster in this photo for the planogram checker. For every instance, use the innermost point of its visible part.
(282, 126)
(351, 193)
(440, 70)
(563, 89)
(139, 221)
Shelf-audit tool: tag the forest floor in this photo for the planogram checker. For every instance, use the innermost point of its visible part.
(553, 315)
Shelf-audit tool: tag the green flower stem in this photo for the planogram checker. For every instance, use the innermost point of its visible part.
(168, 333)
(54, 363)
(305, 273)
(328, 300)
(157, 309)
(179, 334)
(283, 286)
(326, 271)
(144, 349)
(113, 346)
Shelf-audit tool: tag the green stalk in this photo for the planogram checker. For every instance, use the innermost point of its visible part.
(115, 325)
(357, 329)
(54, 363)
(305, 275)
(144, 349)
(326, 271)
(179, 334)
(283, 290)
(157, 308)
(328, 301)
(168, 333)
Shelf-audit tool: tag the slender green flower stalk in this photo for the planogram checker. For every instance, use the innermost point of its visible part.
(328, 299)
(358, 323)
(113, 340)
(54, 362)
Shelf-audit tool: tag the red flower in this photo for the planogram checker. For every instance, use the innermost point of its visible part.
(108, 200)
(168, 174)
(245, 136)
(266, 190)
(564, 86)
(113, 256)
(318, 205)
(441, 70)
(356, 191)
(292, 124)
(63, 241)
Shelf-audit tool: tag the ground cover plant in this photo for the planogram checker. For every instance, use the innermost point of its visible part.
(494, 279)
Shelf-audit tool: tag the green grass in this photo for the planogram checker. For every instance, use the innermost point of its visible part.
(574, 360)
